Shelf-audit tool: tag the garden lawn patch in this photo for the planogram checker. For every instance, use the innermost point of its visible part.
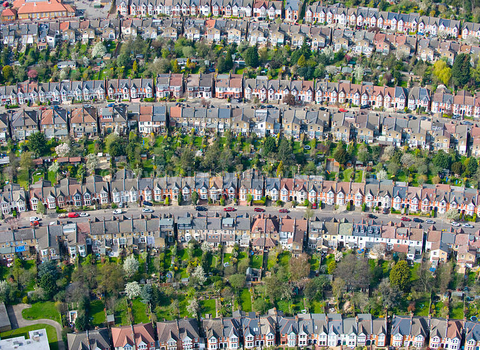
(97, 313)
(284, 259)
(121, 316)
(456, 311)
(317, 307)
(422, 305)
(139, 311)
(41, 310)
(314, 263)
(208, 307)
(226, 257)
(51, 333)
(257, 261)
(246, 300)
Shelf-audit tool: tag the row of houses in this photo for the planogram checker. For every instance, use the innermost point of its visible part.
(360, 126)
(235, 86)
(259, 9)
(111, 237)
(248, 330)
(126, 188)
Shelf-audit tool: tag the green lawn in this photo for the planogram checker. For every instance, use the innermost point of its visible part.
(139, 310)
(457, 310)
(97, 313)
(208, 307)
(41, 310)
(347, 174)
(246, 300)
(314, 263)
(257, 261)
(284, 259)
(317, 307)
(121, 316)
(51, 333)
(22, 178)
(227, 257)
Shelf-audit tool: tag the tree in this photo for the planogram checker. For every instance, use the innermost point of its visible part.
(379, 250)
(444, 276)
(81, 322)
(91, 162)
(179, 199)
(340, 154)
(62, 149)
(47, 278)
(167, 201)
(251, 57)
(37, 143)
(442, 71)
(99, 50)
(195, 197)
(471, 166)
(260, 305)
(299, 267)
(425, 281)
(199, 275)
(273, 287)
(237, 281)
(461, 70)
(280, 169)
(354, 271)
(314, 287)
(32, 74)
(389, 293)
(132, 290)
(131, 265)
(302, 62)
(441, 160)
(331, 266)
(41, 208)
(289, 99)
(4, 290)
(193, 307)
(458, 168)
(382, 175)
(26, 162)
(7, 72)
(110, 278)
(363, 154)
(400, 275)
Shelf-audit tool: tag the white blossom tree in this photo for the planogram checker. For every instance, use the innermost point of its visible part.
(205, 247)
(99, 50)
(131, 266)
(4, 290)
(378, 250)
(199, 275)
(92, 162)
(382, 175)
(193, 307)
(132, 290)
(388, 153)
(62, 149)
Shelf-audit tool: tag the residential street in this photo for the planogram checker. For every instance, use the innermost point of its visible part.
(242, 211)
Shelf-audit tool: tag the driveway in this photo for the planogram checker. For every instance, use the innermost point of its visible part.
(17, 321)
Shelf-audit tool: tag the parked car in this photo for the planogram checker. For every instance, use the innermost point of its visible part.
(147, 210)
(455, 224)
(229, 209)
(430, 221)
(404, 218)
(259, 210)
(371, 216)
(343, 110)
(62, 216)
(34, 223)
(283, 211)
(34, 218)
(83, 215)
(467, 225)
(314, 205)
(111, 105)
(117, 211)
(417, 220)
(73, 215)
(200, 208)
(148, 204)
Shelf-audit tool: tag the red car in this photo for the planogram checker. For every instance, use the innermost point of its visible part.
(228, 209)
(259, 210)
(342, 110)
(73, 215)
(404, 218)
(283, 211)
(34, 223)
(314, 205)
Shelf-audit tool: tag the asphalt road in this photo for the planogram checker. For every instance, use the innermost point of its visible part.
(299, 212)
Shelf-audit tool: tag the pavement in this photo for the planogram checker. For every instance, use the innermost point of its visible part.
(325, 214)
(17, 321)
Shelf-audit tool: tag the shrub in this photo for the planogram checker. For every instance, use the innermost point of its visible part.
(114, 206)
(364, 207)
